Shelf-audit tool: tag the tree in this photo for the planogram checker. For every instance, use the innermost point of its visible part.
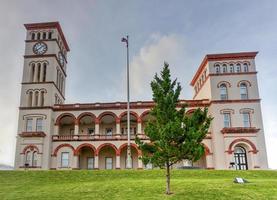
(173, 134)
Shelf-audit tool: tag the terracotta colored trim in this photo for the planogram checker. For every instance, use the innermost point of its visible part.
(132, 145)
(244, 81)
(58, 119)
(227, 110)
(224, 82)
(105, 145)
(246, 110)
(101, 115)
(32, 147)
(240, 130)
(32, 134)
(48, 25)
(47, 82)
(46, 56)
(86, 114)
(77, 150)
(219, 57)
(235, 101)
(60, 146)
(131, 113)
(233, 73)
(251, 144)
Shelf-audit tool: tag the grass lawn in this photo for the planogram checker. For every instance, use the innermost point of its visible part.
(122, 184)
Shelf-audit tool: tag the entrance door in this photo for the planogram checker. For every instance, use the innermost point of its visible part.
(90, 163)
(240, 158)
(109, 163)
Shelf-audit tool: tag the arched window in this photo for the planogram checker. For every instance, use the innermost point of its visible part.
(245, 67)
(240, 158)
(35, 159)
(32, 72)
(44, 35)
(224, 68)
(42, 99)
(30, 99)
(217, 68)
(33, 36)
(44, 72)
(36, 98)
(50, 35)
(38, 73)
(38, 36)
(223, 92)
(243, 91)
(238, 68)
(28, 158)
(231, 68)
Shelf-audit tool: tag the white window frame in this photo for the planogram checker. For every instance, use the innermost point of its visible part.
(246, 119)
(29, 125)
(227, 121)
(39, 124)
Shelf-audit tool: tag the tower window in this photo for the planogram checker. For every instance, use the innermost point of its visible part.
(39, 126)
(245, 67)
(224, 68)
(246, 119)
(227, 120)
(38, 36)
(243, 91)
(217, 69)
(32, 72)
(238, 68)
(29, 125)
(38, 73)
(33, 36)
(231, 68)
(30, 99)
(223, 92)
(50, 35)
(44, 35)
(36, 98)
(42, 98)
(44, 72)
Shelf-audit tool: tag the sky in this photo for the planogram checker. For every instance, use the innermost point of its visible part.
(178, 32)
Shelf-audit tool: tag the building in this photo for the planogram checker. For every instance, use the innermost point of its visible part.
(54, 135)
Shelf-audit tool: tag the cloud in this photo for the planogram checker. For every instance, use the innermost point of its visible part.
(150, 59)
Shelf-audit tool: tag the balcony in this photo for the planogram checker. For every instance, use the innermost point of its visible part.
(95, 137)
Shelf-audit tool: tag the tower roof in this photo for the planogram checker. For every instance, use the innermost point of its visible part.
(46, 25)
(222, 56)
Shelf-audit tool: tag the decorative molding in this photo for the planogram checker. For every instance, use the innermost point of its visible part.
(77, 150)
(227, 110)
(105, 145)
(32, 134)
(34, 115)
(236, 101)
(246, 110)
(61, 146)
(244, 81)
(240, 130)
(245, 141)
(58, 119)
(223, 82)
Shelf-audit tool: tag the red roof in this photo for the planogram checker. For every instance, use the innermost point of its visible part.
(46, 25)
(223, 56)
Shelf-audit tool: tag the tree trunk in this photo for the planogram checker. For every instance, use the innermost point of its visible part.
(168, 179)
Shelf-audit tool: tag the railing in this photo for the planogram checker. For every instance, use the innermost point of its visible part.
(95, 137)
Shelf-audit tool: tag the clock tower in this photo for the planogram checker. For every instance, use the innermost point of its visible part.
(43, 86)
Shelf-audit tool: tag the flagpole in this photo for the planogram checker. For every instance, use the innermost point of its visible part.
(129, 159)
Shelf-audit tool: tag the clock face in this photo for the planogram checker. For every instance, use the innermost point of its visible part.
(40, 48)
(61, 59)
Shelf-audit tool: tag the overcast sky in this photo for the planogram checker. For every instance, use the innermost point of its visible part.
(179, 32)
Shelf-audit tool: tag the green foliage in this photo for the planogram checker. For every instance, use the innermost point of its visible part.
(173, 134)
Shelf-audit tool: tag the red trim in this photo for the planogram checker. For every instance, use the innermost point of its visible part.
(235, 101)
(131, 113)
(86, 114)
(207, 150)
(132, 145)
(144, 114)
(240, 130)
(190, 111)
(109, 145)
(252, 145)
(101, 115)
(76, 152)
(47, 25)
(219, 57)
(58, 120)
(244, 81)
(32, 134)
(31, 147)
(224, 82)
(60, 146)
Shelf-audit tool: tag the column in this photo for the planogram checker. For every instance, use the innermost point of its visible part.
(117, 162)
(97, 123)
(209, 161)
(76, 129)
(139, 127)
(56, 129)
(117, 129)
(39, 98)
(96, 162)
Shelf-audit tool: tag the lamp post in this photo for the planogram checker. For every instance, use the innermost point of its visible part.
(129, 163)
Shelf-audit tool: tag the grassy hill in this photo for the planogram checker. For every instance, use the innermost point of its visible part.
(122, 184)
